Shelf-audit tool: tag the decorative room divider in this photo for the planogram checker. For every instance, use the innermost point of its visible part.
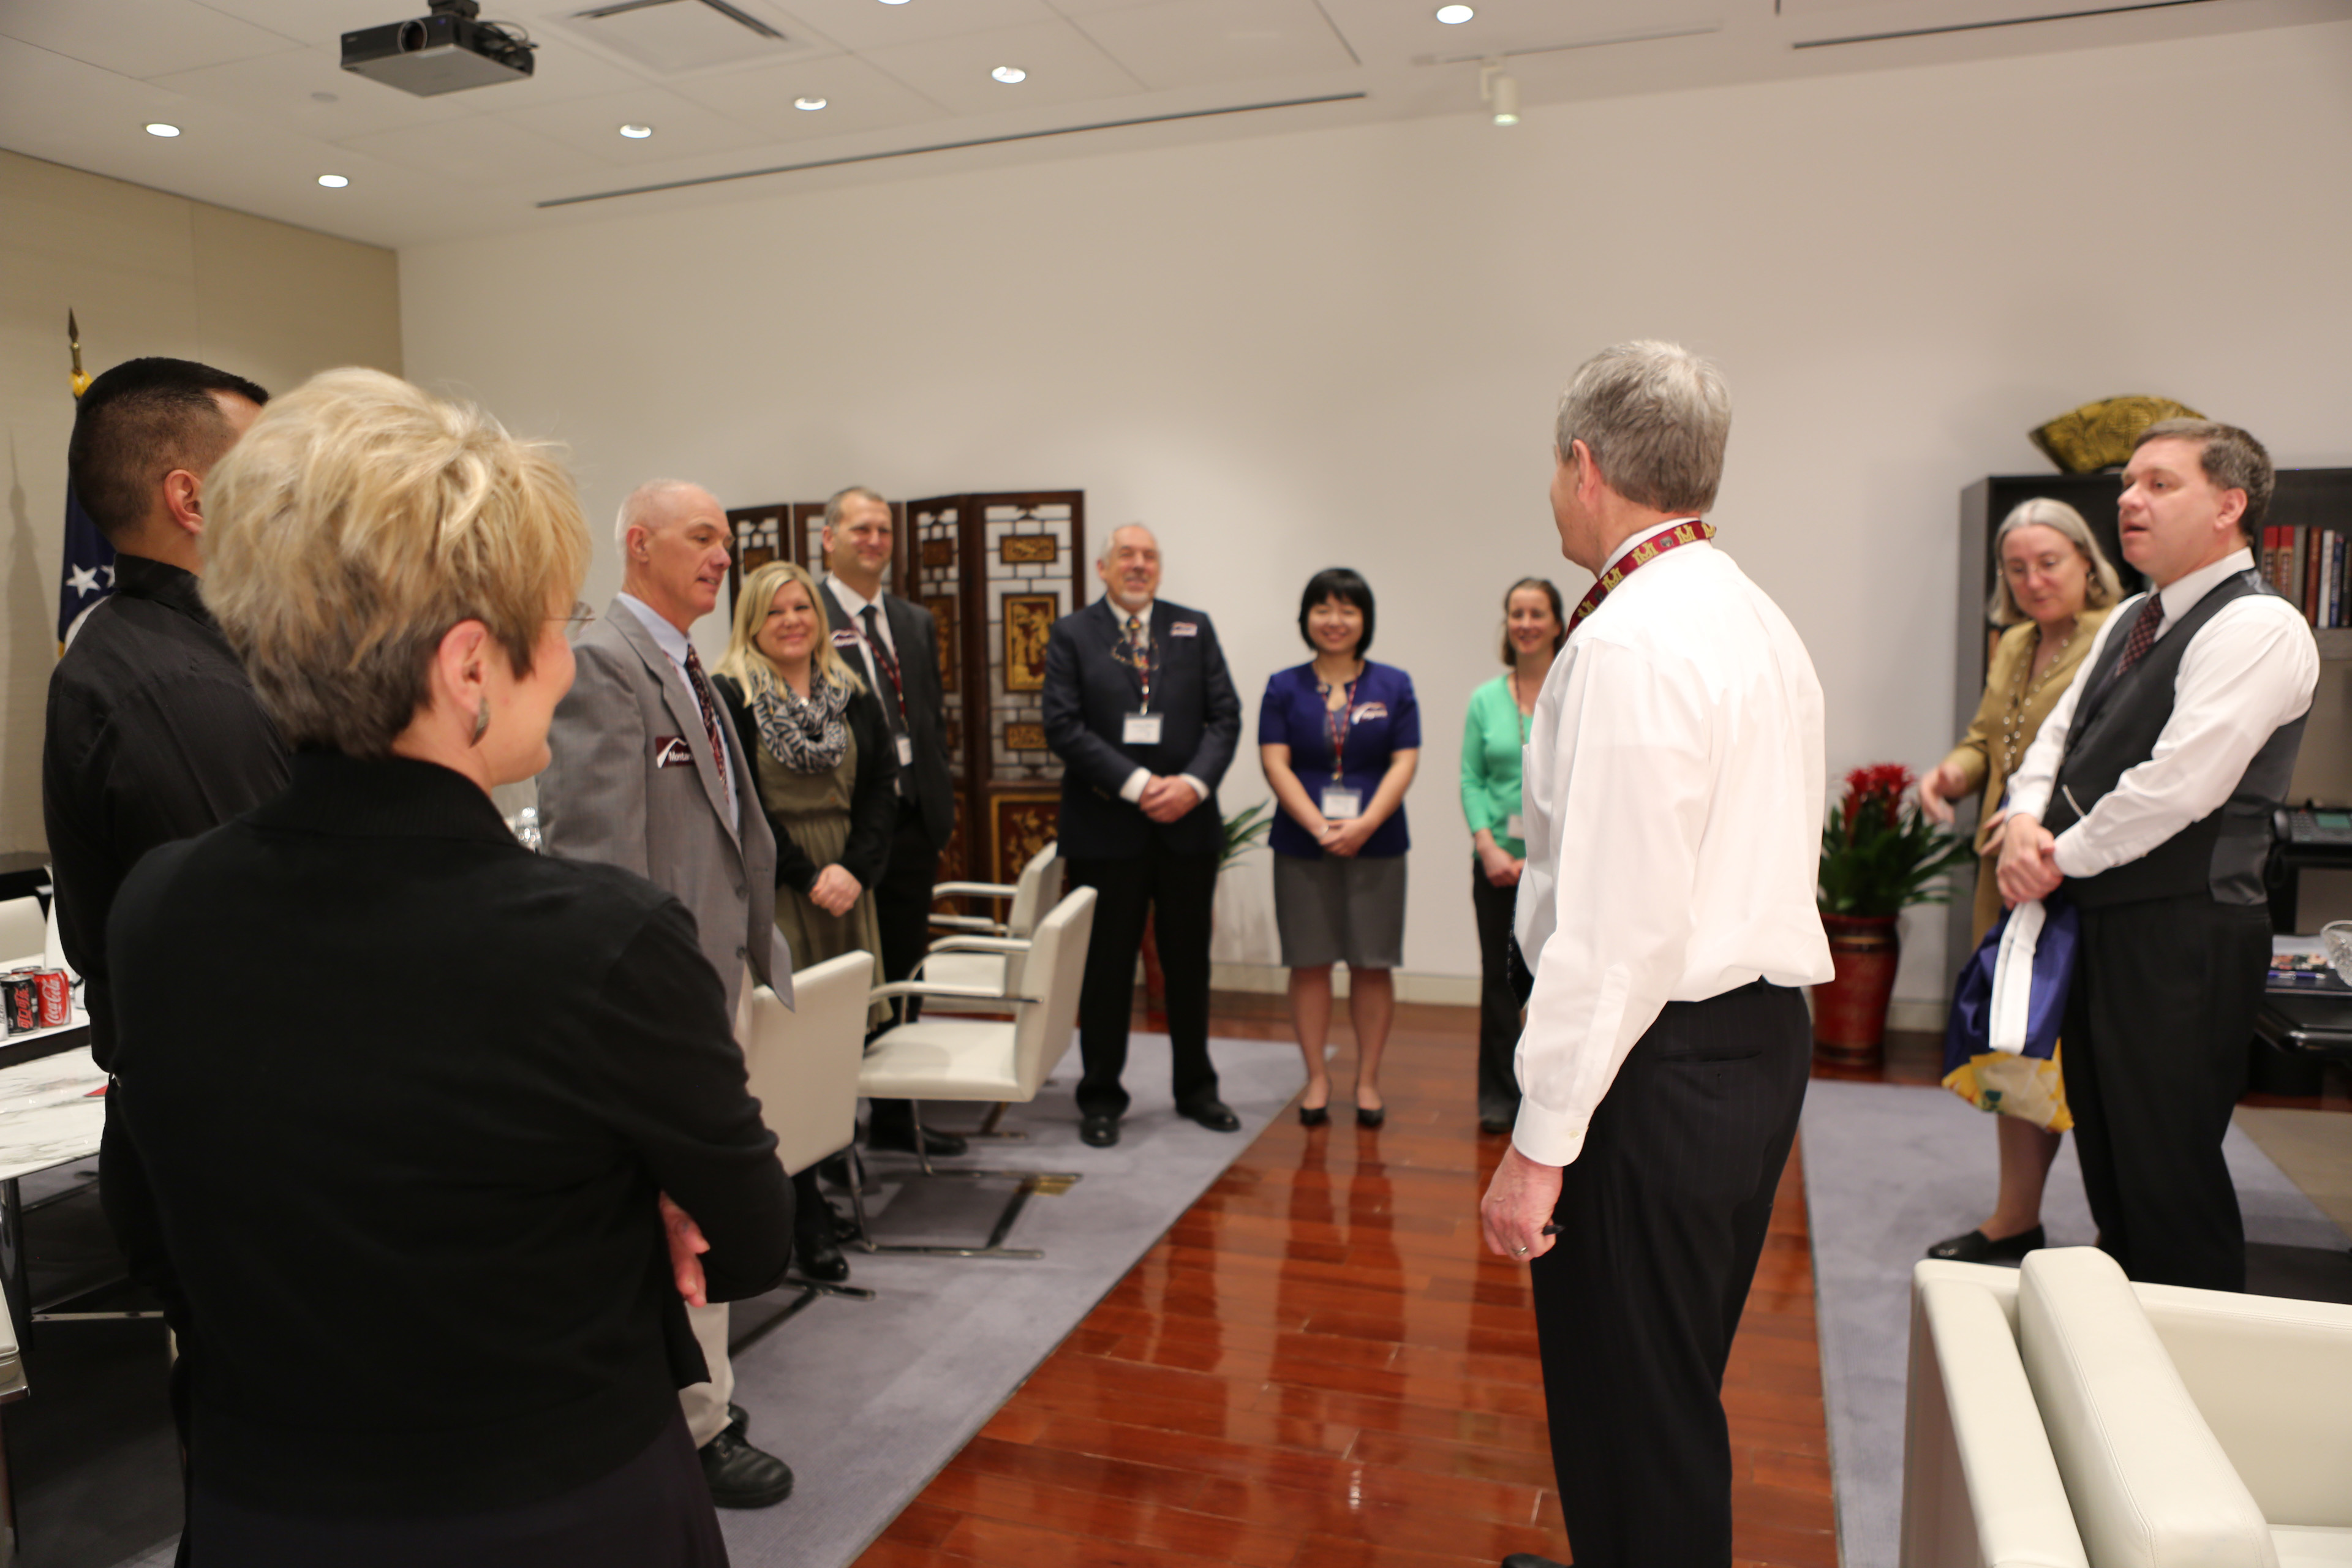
(995, 570)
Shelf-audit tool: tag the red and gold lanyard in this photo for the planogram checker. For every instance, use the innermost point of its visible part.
(1641, 556)
(1337, 721)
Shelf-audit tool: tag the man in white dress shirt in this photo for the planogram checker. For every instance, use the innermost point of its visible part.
(2148, 796)
(1675, 787)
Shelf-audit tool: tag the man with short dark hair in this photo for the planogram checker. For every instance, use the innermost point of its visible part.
(893, 644)
(1674, 798)
(153, 730)
(2147, 796)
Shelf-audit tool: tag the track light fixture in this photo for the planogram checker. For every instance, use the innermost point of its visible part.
(1500, 90)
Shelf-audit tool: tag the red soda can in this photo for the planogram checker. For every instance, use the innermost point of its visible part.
(21, 995)
(56, 998)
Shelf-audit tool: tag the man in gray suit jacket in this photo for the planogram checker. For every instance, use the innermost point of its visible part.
(644, 776)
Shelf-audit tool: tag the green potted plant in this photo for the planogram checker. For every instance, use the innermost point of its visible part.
(1879, 855)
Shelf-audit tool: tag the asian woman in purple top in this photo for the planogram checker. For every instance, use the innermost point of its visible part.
(1340, 737)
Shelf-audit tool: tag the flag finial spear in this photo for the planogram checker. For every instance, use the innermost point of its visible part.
(73, 338)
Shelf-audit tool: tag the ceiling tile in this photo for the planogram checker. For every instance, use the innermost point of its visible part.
(159, 36)
(317, 21)
(682, 128)
(671, 37)
(479, 151)
(858, 98)
(1063, 66)
(863, 25)
(1203, 43)
(559, 69)
(279, 90)
(1385, 33)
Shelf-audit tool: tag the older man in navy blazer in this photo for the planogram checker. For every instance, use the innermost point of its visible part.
(1142, 711)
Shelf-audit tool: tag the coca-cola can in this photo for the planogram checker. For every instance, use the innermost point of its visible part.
(56, 998)
(20, 994)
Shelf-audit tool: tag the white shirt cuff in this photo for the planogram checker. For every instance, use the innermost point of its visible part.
(1132, 789)
(1545, 1138)
(1199, 790)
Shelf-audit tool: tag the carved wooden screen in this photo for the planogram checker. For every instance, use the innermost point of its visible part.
(996, 572)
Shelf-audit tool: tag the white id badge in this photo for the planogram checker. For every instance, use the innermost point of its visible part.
(1340, 803)
(1516, 826)
(1139, 730)
(906, 751)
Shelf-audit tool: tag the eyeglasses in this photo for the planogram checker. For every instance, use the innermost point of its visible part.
(580, 617)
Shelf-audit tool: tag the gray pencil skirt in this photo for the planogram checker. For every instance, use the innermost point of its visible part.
(1339, 911)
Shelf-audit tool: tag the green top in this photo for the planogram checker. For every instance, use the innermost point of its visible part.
(1491, 743)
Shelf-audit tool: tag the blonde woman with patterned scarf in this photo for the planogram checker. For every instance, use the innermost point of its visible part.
(820, 751)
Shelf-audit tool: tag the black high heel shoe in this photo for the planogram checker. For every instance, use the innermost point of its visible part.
(1314, 1115)
(1371, 1116)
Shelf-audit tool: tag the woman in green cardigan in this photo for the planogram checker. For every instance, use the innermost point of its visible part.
(1534, 625)
(2055, 588)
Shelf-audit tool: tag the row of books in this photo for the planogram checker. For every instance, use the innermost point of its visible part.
(2308, 566)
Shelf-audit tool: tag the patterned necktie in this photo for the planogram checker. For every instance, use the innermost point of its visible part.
(710, 712)
(2142, 637)
(895, 711)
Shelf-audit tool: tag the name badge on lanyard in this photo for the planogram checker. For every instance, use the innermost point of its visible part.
(1337, 802)
(1340, 803)
(1139, 730)
(906, 751)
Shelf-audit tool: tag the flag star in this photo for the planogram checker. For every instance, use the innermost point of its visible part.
(108, 573)
(83, 579)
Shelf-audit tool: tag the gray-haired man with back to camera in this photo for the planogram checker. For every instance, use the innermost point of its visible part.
(646, 775)
(1674, 786)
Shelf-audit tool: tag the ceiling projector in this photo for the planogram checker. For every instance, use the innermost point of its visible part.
(448, 51)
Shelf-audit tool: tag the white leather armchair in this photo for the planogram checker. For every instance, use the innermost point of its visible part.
(1980, 1486)
(2191, 1426)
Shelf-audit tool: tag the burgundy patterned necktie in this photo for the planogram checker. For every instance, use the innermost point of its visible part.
(709, 714)
(2143, 635)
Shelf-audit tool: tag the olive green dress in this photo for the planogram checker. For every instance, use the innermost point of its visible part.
(814, 809)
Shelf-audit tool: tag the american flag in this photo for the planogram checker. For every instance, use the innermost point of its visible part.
(88, 574)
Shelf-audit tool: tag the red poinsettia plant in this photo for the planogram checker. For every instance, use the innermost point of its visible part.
(1879, 852)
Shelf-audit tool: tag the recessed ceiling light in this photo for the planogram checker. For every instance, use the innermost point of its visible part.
(1455, 15)
(160, 129)
(637, 133)
(1009, 74)
(893, 2)
(814, 104)
(334, 182)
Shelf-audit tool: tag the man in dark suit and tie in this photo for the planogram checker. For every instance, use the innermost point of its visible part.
(1140, 710)
(893, 644)
(643, 776)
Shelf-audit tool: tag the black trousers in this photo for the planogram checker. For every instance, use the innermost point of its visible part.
(653, 1512)
(1176, 891)
(902, 907)
(2157, 1024)
(1662, 1220)
(1502, 990)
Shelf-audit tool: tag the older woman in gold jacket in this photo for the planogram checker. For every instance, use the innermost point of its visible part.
(2056, 586)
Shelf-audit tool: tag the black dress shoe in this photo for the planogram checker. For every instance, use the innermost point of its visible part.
(1497, 1122)
(901, 1137)
(1213, 1114)
(1975, 1247)
(738, 1420)
(742, 1476)
(1098, 1131)
(1530, 1560)
(1314, 1115)
(818, 1256)
(1371, 1115)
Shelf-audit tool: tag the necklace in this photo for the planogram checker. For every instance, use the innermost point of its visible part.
(2013, 736)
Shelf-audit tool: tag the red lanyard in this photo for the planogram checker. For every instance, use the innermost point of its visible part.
(1337, 721)
(1633, 560)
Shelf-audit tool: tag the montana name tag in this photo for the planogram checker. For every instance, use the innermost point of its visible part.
(844, 637)
(672, 752)
(1183, 629)
(1365, 711)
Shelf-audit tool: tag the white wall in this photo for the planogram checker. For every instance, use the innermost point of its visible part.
(1344, 346)
(146, 273)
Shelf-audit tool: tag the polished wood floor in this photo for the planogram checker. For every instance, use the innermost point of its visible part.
(1320, 1366)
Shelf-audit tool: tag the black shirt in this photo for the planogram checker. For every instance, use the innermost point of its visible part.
(154, 734)
(387, 1130)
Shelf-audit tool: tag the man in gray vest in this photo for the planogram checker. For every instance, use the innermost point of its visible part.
(2148, 796)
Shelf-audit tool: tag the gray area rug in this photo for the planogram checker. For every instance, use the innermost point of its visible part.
(866, 1400)
(1891, 1169)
